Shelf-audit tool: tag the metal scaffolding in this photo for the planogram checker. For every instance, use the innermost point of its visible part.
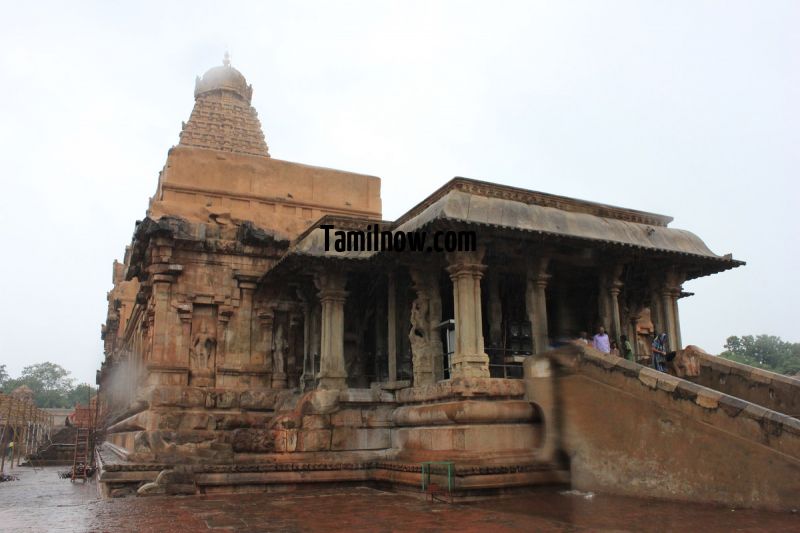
(24, 428)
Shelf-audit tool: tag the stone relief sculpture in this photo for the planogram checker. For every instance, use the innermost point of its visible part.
(279, 346)
(419, 335)
(202, 348)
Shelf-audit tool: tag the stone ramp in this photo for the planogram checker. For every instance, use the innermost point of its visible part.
(628, 429)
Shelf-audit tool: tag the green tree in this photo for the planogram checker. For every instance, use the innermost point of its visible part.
(81, 394)
(49, 382)
(764, 351)
(3, 376)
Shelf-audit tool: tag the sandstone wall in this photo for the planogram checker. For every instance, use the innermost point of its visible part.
(202, 185)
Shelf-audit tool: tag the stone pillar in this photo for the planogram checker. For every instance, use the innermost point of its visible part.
(633, 336)
(656, 311)
(466, 270)
(616, 324)
(495, 311)
(332, 296)
(391, 323)
(670, 294)
(536, 302)
(307, 376)
(669, 318)
(676, 314)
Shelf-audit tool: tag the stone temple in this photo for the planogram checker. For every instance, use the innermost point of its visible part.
(241, 354)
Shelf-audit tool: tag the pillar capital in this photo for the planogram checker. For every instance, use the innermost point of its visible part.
(466, 263)
(246, 280)
(615, 287)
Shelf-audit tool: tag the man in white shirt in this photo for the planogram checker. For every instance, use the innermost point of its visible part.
(600, 341)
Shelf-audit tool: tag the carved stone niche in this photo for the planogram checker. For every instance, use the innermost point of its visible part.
(203, 346)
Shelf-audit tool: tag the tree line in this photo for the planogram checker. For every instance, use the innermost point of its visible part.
(764, 351)
(51, 384)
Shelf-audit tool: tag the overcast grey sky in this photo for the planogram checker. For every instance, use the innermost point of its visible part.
(690, 109)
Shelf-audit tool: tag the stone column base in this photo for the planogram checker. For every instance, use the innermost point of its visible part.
(470, 366)
(279, 380)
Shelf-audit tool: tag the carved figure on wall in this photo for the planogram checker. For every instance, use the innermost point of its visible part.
(279, 346)
(419, 335)
(203, 345)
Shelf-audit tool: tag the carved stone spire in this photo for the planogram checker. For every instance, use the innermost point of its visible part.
(222, 118)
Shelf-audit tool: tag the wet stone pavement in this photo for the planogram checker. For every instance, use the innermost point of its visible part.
(40, 501)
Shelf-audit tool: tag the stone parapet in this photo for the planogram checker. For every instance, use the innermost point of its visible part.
(774, 391)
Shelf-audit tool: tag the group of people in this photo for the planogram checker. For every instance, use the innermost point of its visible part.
(602, 343)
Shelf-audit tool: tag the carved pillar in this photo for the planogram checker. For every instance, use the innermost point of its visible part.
(426, 314)
(391, 323)
(332, 296)
(466, 270)
(536, 301)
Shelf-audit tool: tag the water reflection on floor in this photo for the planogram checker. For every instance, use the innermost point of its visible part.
(41, 501)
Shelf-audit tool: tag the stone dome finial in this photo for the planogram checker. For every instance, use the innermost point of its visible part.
(224, 78)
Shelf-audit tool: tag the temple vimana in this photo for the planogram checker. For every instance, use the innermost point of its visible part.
(241, 354)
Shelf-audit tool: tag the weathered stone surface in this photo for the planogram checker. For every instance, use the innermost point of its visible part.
(377, 417)
(463, 388)
(347, 417)
(253, 440)
(257, 400)
(177, 397)
(313, 440)
(465, 412)
(349, 438)
(316, 421)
